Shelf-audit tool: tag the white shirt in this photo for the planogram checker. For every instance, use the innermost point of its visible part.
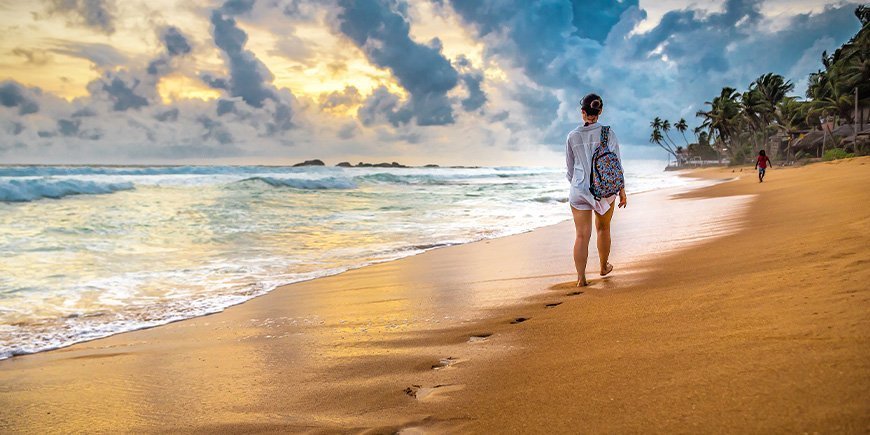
(579, 149)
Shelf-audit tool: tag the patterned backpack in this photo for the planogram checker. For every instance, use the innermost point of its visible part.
(606, 178)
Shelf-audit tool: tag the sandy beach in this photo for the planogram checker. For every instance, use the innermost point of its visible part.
(735, 307)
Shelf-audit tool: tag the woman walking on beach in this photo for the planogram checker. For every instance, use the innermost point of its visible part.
(593, 141)
(761, 164)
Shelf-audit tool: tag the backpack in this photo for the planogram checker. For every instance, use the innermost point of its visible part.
(606, 178)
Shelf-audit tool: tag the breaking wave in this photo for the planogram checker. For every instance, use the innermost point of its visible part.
(24, 190)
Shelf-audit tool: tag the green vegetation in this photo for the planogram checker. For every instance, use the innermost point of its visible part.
(836, 154)
(737, 124)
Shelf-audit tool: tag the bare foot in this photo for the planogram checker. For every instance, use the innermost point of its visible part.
(581, 282)
(607, 269)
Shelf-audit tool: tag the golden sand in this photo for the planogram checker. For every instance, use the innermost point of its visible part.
(763, 328)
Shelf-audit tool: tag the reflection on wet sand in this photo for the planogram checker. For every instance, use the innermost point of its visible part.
(334, 352)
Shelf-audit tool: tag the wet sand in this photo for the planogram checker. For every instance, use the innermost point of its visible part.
(736, 307)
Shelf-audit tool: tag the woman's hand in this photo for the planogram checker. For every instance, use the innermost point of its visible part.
(623, 201)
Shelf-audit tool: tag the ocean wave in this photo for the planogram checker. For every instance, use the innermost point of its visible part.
(48, 171)
(549, 199)
(25, 190)
(307, 184)
(390, 178)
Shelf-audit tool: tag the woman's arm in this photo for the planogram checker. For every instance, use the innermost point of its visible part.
(569, 159)
(614, 146)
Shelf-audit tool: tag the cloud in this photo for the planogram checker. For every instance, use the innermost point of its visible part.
(508, 80)
(175, 41)
(95, 14)
(350, 96)
(34, 57)
(570, 49)
(248, 76)
(120, 91)
(593, 19)
(381, 31)
(237, 7)
(383, 106)
(102, 55)
(14, 95)
(472, 79)
(68, 127)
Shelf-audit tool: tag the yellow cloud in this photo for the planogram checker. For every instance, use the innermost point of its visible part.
(330, 65)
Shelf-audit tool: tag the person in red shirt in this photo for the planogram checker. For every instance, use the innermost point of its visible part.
(761, 165)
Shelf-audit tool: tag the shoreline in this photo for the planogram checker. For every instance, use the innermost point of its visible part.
(405, 253)
(369, 361)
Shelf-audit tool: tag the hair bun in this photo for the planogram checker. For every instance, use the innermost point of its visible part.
(592, 104)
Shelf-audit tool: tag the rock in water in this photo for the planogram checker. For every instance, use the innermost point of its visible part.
(315, 162)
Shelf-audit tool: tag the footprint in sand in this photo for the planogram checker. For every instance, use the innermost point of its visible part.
(519, 320)
(552, 305)
(570, 285)
(426, 394)
(577, 293)
(478, 338)
(444, 363)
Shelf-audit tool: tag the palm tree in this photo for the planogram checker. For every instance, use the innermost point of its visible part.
(657, 138)
(681, 126)
(666, 127)
(723, 116)
(788, 117)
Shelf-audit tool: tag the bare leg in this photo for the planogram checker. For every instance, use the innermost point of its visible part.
(602, 227)
(583, 230)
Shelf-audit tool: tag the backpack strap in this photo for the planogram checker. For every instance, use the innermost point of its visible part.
(604, 141)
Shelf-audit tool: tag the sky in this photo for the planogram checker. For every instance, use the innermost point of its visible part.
(462, 82)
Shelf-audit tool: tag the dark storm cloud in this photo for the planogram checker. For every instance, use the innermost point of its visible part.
(382, 105)
(68, 127)
(84, 112)
(175, 41)
(95, 14)
(476, 97)
(282, 120)
(170, 115)
(14, 95)
(541, 105)
(382, 33)
(225, 106)
(248, 76)
(121, 93)
(237, 7)
(569, 49)
(540, 35)
(214, 130)
(472, 79)
(593, 19)
(176, 46)
(214, 82)
(349, 96)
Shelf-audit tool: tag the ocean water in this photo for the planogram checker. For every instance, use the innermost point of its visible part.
(86, 252)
